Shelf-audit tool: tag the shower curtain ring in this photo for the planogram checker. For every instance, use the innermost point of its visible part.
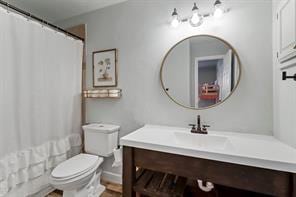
(28, 19)
(7, 8)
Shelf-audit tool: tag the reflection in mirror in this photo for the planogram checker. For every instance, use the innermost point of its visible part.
(200, 72)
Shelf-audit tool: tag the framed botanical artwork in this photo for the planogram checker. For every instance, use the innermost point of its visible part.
(105, 68)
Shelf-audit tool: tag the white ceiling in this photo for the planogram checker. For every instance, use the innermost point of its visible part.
(57, 10)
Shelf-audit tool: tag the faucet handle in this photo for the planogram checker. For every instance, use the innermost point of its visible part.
(204, 127)
(193, 127)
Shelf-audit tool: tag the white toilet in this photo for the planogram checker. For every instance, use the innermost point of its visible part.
(79, 176)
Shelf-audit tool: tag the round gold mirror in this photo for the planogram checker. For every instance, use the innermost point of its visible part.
(200, 72)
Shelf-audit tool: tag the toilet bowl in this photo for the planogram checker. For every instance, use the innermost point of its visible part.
(80, 175)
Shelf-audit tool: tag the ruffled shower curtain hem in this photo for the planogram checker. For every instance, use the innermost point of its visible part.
(23, 166)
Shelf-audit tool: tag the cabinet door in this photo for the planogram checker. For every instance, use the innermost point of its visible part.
(287, 30)
(285, 113)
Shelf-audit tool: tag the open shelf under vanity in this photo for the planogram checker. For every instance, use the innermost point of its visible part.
(153, 183)
(158, 174)
(159, 184)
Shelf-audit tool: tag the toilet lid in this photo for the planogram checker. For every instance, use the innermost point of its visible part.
(75, 166)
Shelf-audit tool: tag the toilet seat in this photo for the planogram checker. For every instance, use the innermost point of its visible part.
(79, 165)
(75, 172)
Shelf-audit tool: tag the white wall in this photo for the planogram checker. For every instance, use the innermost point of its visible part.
(140, 31)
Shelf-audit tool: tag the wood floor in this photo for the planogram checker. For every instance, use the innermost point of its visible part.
(115, 190)
(107, 193)
(112, 190)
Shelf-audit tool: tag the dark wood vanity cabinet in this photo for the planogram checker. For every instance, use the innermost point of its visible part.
(259, 180)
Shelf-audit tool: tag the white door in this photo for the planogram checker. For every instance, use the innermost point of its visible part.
(286, 17)
(226, 81)
(196, 84)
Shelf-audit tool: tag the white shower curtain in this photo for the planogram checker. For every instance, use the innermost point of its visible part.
(40, 88)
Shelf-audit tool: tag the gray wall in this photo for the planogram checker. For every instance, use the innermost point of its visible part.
(140, 31)
(176, 73)
(207, 74)
(209, 47)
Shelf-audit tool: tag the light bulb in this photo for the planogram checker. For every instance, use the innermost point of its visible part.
(196, 18)
(175, 22)
(175, 19)
(218, 13)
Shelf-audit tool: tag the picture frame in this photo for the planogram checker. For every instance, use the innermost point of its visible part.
(105, 68)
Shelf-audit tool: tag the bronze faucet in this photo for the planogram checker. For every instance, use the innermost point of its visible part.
(196, 128)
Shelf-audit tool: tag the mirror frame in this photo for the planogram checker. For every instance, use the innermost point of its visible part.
(202, 108)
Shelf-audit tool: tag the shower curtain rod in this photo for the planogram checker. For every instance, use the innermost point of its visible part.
(11, 7)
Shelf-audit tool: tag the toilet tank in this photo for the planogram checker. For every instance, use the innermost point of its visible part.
(100, 139)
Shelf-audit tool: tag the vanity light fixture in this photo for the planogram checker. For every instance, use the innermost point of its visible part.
(196, 19)
(219, 11)
(175, 19)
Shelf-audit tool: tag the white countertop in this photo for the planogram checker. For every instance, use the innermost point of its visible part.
(246, 149)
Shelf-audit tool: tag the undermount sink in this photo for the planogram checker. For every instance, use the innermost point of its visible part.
(204, 141)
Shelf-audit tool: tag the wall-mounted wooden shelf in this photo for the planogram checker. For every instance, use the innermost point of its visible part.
(103, 93)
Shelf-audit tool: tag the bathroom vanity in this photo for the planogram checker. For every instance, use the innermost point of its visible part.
(250, 162)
